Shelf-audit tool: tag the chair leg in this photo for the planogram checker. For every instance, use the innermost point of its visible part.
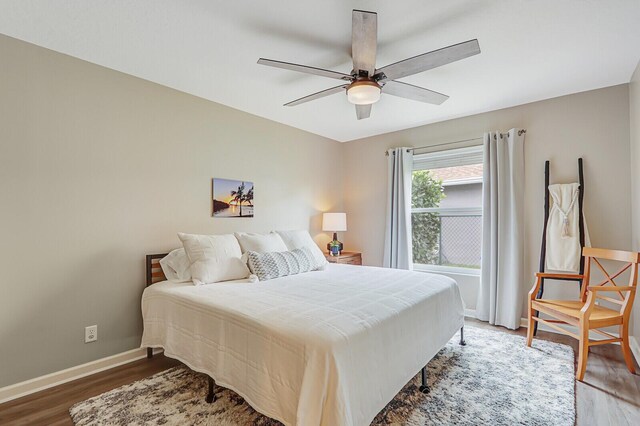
(626, 350)
(583, 351)
(530, 326)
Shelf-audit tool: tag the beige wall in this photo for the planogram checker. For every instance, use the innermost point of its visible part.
(97, 169)
(634, 114)
(594, 125)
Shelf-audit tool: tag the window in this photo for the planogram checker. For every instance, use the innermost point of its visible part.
(446, 210)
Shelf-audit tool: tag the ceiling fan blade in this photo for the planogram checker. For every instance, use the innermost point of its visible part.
(305, 69)
(363, 111)
(415, 93)
(428, 61)
(317, 95)
(364, 40)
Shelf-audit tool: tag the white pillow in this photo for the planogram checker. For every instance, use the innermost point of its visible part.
(260, 243)
(176, 266)
(301, 238)
(214, 258)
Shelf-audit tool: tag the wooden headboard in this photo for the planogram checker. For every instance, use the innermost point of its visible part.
(154, 271)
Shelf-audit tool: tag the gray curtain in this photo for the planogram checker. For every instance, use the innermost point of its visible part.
(500, 297)
(397, 242)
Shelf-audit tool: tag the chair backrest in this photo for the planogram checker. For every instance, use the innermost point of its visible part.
(630, 260)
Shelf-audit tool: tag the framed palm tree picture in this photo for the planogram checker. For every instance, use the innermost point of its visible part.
(232, 198)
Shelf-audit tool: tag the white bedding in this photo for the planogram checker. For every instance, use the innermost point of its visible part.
(328, 347)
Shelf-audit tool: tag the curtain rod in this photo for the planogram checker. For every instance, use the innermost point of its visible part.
(520, 132)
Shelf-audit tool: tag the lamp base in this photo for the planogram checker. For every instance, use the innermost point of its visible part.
(335, 238)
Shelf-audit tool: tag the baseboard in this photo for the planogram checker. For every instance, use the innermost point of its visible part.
(47, 381)
(635, 348)
(471, 313)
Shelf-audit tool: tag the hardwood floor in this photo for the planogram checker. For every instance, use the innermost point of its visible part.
(51, 406)
(609, 395)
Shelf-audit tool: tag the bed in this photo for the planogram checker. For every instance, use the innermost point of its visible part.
(328, 347)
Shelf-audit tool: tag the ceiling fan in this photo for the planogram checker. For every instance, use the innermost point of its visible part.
(365, 83)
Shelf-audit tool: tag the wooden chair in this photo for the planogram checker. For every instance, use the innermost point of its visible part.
(586, 314)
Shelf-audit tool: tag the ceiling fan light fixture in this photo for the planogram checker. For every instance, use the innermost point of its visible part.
(363, 92)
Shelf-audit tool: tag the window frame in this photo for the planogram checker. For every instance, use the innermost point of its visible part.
(458, 211)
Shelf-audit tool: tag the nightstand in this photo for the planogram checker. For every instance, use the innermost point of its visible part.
(347, 257)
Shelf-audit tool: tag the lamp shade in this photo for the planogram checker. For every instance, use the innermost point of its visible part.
(334, 222)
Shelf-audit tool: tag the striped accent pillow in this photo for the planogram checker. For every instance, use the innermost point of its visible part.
(267, 266)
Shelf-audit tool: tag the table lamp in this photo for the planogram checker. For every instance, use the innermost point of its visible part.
(334, 222)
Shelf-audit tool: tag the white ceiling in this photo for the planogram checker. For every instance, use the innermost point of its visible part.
(531, 50)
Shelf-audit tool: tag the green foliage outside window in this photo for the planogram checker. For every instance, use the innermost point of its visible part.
(426, 192)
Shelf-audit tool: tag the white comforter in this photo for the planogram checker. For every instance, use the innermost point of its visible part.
(329, 347)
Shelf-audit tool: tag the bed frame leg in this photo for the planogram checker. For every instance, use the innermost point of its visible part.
(149, 353)
(211, 395)
(462, 341)
(424, 388)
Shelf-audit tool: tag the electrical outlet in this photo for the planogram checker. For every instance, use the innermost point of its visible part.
(90, 333)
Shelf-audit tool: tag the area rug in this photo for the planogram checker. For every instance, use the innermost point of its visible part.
(495, 379)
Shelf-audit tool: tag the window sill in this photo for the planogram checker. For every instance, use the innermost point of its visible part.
(438, 269)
